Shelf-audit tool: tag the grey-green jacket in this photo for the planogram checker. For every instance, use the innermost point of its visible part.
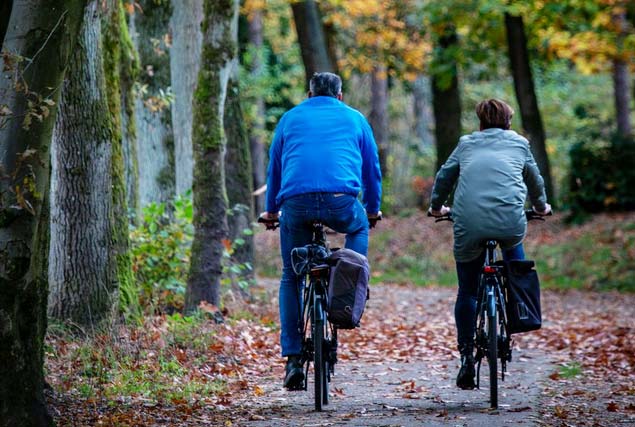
(495, 170)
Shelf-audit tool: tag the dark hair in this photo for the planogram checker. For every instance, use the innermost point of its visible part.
(494, 113)
(325, 84)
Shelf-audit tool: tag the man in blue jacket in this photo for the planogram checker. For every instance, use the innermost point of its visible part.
(322, 156)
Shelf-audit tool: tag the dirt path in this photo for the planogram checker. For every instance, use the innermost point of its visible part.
(399, 370)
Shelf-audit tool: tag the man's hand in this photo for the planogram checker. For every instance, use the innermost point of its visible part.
(547, 210)
(373, 218)
(443, 211)
(269, 216)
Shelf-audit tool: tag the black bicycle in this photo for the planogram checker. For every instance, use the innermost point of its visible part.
(319, 342)
(492, 338)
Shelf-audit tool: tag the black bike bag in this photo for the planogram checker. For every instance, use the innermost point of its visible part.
(523, 296)
(348, 288)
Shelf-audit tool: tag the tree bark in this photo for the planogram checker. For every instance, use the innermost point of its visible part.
(424, 117)
(185, 58)
(155, 140)
(621, 82)
(86, 210)
(378, 117)
(256, 138)
(238, 183)
(128, 74)
(526, 96)
(219, 51)
(308, 25)
(446, 99)
(44, 31)
(5, 14)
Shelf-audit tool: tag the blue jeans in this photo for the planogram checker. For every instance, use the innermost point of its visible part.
(466, 300)
(341, 212)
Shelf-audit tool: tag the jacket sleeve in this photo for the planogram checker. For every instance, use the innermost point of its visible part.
(445, 179)
(534, 182)
(371, 173)
(274, 171)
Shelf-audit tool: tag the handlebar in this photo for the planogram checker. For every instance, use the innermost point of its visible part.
(270, 224)
(530, 214)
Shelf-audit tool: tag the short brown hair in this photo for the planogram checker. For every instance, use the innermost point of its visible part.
(494, 113)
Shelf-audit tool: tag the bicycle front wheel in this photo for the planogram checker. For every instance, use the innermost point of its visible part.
(319, 361)
(492, 348)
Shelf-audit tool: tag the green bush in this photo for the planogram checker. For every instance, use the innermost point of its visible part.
(602, 177)
(161, 247)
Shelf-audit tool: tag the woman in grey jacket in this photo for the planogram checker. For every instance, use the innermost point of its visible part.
(494, 171)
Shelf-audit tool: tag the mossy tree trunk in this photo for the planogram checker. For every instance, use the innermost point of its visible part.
(446, 96)
(153, 120)
(185, 58)
(238, 181)
(526, 96)
(44, 31)
(89, 256)
(220, 20)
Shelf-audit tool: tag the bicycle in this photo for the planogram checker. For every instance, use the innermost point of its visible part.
(319, 342)
(492, 340)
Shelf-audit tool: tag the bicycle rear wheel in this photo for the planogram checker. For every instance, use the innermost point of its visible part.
(319, 361)
(492, 348)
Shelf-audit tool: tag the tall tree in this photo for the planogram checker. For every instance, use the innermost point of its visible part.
(256, 134)
(621, 78)
(378, 117)
(238, 180)
(185, 58)
(308, 24)
(89, 244)
(219, 49)
(149, 28)
(42, 34)
(446, 95)
(422, 97)
(526, 96)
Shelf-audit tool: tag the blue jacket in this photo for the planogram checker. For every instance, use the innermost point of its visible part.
(322, 145)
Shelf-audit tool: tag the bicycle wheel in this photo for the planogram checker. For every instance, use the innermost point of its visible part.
(492, 348)
(318, 353)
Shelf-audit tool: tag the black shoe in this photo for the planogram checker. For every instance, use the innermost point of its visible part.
(294, 374)
(465, 379)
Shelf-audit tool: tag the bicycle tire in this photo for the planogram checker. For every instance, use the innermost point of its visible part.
(492, 348)
(318, 353)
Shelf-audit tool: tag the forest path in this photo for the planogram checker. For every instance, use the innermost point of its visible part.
(399, 369)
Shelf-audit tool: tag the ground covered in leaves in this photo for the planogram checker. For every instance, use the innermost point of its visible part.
(398, 369)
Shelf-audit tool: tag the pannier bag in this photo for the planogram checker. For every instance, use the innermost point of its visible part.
(348, 288)
(523, 297)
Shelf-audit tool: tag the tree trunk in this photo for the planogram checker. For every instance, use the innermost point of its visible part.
(378, 117)
(446, 99)
(256, 139)
(238, 183)
(526, 96)
(129, 72)
(87, 190)
(423, 115)
(185, 58)
(219, 51)
(5, 14)
(621, 78)
(155, 140)
(44, 31)
(308, 25)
